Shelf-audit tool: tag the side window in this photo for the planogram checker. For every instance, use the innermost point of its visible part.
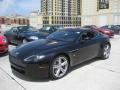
(110, 27)
(88, 35)
(14, 29)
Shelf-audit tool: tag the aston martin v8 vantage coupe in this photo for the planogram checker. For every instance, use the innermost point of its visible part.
(54, 56)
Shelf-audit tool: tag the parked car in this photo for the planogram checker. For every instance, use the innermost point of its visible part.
(57, 53)
(106, 31)
(50, 29)
(114, 28)
(118, 25)
(93, 27)
(3, 44)
(23, 34)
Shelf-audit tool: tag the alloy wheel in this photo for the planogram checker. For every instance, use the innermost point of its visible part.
(60, 67)
(106, 52)
(119, 32)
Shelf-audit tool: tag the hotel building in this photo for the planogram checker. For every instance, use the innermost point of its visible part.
(59, 12)
(73, 13)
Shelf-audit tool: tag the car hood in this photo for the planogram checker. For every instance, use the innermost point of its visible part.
(35, 47)
(104, 29)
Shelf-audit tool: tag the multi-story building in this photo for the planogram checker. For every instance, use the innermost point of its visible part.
(6, 22)
(80, 12)
(60, 12)
(100, 12)
(14, 20)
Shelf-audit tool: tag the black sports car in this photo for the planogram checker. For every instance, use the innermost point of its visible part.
(61, 50)
(114, 28)
(23, 34)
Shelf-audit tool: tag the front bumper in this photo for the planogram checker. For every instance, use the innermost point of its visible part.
(111, 35)
(33, 70)
(3, 48)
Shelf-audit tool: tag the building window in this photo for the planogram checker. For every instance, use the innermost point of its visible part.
(103, 4)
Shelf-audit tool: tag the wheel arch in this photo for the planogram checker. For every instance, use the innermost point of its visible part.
(107, 42)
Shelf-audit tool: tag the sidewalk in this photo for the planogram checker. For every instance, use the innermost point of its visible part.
(8, 83)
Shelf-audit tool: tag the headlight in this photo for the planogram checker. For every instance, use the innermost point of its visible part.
(106, 31)
(34, 38)
(4, 40)
(34, 58)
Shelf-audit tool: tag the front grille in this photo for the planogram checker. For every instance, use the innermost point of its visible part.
(16, 61)
(2, 47)
(12, 63)
(17, 65)
(18, 70)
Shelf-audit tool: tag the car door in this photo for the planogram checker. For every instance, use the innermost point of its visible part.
(87, 47)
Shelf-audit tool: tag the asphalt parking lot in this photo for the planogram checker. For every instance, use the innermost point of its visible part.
(93, 75)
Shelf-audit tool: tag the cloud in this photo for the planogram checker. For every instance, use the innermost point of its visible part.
(18, 6)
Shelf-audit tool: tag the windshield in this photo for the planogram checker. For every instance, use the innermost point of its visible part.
(51, 28)
(46, 28)
(26, 28)
(59, 27)
(91, 27)
(64, 35)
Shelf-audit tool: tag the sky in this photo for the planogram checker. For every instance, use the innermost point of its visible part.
(22, 7)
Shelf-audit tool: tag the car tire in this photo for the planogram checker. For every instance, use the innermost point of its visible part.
(59, 67)
(105, 51)
(119, 32)
(24, 41)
